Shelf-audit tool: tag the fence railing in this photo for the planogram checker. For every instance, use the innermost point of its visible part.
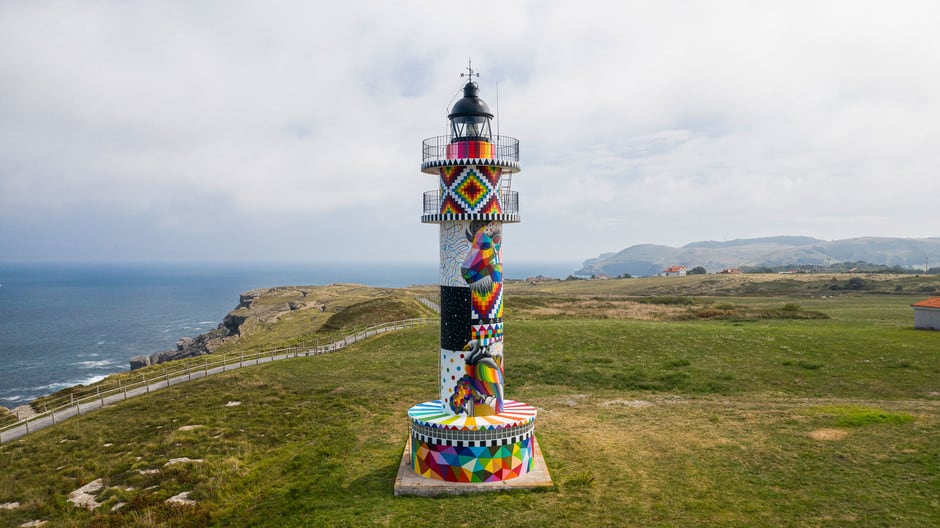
(508, 202)
(435, 148)
(57, 410)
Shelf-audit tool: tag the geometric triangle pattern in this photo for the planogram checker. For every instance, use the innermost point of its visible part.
(492, 206)
(449, 174)
(485, 334)
(472, 464)
(487, 304)
(470, 189)
(492, 174)
(450, 206)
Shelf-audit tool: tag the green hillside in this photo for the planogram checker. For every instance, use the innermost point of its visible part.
(649, 259)
(649, 415)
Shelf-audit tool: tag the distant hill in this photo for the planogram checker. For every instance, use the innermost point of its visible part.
(650, 259)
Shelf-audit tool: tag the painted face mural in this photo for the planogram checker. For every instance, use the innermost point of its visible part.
(483, 271)
(480, 391)
(482, 268)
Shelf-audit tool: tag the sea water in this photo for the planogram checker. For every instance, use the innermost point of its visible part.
(67, 324)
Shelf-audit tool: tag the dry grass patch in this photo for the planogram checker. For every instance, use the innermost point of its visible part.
(606, 309)
(828, 434)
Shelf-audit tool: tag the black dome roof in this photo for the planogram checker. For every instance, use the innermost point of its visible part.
(470, 104)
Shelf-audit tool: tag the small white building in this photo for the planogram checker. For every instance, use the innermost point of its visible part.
(927, 314)
(674, 271)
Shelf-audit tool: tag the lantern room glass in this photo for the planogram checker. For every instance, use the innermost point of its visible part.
(471, 128)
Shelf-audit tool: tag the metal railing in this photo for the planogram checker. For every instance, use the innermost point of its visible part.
(508, 201)
(435, 148)
(57, 410)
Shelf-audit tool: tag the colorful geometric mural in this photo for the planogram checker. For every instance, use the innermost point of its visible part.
(491, 173)
(468, 189)
(471, 433)
(483, 271)
(482, 267)
(472, 448)
(486, 334)
(433, 415)
(471, 190)
(449, 174)
(487, 305)
(472, 464)
(470, 149)
(479, 392)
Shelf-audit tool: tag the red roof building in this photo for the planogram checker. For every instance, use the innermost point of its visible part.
(927, 314)
(672, 271)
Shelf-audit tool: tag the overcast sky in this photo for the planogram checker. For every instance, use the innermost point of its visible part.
(275, 131)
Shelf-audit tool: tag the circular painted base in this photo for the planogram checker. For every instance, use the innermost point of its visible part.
(472, 449)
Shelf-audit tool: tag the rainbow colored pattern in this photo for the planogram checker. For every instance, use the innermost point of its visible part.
(472, 464)
(487, 305)
(487, 333)
(470, 189)
(470, 149)
(432, 414)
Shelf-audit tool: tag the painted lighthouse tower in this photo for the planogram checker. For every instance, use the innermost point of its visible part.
(471, 432)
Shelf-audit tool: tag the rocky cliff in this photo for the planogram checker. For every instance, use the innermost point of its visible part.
(262, 305)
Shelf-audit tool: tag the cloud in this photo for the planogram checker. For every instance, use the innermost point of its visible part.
(666, 122)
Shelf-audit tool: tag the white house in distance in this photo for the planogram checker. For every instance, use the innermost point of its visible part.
(674, 271)
(927, 314)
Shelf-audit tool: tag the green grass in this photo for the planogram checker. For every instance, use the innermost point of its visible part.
(857, 416)
(780, 422)
(6, 416)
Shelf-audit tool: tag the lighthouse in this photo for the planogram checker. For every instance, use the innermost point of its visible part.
(471, 432)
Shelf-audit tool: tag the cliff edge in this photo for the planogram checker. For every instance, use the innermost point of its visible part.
(274, 302)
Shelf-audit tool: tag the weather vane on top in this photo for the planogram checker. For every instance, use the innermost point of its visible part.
(470, 69)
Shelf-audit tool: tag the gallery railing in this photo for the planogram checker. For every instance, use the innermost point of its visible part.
(508, 201)
(435, 148)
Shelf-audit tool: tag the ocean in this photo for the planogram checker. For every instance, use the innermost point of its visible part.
(67, 324)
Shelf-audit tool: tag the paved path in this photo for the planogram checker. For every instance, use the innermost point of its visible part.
(81, 407)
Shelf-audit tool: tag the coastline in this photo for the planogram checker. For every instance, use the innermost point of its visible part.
(64, 325)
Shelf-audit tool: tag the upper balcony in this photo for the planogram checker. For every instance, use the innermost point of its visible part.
(508, 200)
(505, 152)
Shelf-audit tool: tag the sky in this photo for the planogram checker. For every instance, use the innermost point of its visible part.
(291, 131)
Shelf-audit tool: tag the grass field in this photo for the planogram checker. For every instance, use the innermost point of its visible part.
(659, 420)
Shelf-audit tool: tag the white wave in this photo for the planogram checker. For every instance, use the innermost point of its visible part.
(96, 364)
(93, 379)
(57, 386)
(14, 397)
(53, 387)
(206, 322)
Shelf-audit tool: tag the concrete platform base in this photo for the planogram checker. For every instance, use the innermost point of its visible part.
(410, 483)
